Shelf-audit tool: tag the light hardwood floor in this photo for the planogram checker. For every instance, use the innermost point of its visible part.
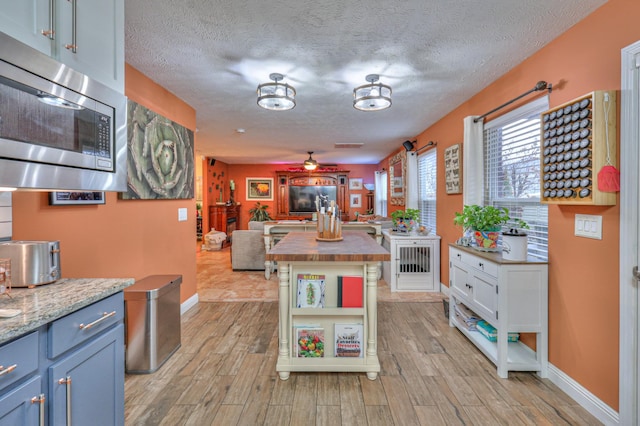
(224, 374)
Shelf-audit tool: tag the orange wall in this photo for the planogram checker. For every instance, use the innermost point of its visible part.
(240, 172)
(583, 273)
(123, 238)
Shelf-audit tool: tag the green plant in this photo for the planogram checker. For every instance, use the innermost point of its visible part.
(405, 215)
(486, 218)
(259, 213)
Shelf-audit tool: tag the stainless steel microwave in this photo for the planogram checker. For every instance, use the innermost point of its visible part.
(59, 129)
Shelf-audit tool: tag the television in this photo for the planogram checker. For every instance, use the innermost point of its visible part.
(302, 199)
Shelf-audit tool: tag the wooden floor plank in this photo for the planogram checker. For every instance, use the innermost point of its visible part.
(328, 389)
(429, 415)
(328, 415)
(351, 400)
(378, 415)
(399, 404)
(304, 399)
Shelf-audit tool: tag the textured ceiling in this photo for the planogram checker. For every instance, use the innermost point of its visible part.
(435, 54)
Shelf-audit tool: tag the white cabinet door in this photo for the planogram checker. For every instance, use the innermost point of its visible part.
(460, 280)
(90, 39)
(25, 20)
(485, 296)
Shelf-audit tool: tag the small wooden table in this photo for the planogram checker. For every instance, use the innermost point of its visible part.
(300, 253)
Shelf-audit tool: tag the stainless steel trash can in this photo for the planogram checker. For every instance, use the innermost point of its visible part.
(152, 318)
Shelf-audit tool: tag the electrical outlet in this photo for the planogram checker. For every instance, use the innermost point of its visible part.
(589, 226)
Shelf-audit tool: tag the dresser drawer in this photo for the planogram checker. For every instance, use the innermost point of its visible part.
(475, 262)
(73, 329)
(18, 359)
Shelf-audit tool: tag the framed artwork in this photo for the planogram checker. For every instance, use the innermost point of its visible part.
(260, 189)
(160, 160)
(453, 169)
(355, 183)
(356, 200)
(60, 198)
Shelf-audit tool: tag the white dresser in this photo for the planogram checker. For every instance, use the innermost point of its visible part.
(415, 262)
(512, 296)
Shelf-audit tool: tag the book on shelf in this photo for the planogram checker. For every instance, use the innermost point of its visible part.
(350, 291)
(310, 291)
(309, 342)
(491, 333)
(349, 340)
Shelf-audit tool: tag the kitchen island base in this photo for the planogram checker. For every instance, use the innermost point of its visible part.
(360, 258)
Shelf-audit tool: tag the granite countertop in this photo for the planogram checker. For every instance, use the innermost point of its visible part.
(302, 246)
(43, 304)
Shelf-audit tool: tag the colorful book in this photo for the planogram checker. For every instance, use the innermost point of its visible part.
(310, 291)
(349, 340)
(339, 304)
(309, 342)
(352, 291)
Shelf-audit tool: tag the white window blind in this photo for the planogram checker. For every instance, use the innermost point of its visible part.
(427, 189)
(380, 207)
(512, 170)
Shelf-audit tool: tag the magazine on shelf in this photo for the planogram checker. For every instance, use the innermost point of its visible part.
(310, 291)
(350, 291)
(490, 332)
(349, 340)
(309, 342)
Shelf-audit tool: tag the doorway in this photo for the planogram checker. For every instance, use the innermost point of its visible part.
(629, 406)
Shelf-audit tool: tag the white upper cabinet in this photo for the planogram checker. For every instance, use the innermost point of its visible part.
(26, 21)
(86, 35)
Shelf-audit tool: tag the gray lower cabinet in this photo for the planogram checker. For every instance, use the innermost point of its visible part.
(23, 405)
(70, 371)
(87, 386)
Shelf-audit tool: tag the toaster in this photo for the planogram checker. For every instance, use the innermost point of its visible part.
(32, 262)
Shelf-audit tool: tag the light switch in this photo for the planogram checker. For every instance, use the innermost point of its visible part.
(182, 214)
(589, 226)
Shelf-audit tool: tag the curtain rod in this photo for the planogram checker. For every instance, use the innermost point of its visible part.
(541, 85)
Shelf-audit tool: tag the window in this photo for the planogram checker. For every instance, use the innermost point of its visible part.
(381, 194)
(512, 170)
(427, 189)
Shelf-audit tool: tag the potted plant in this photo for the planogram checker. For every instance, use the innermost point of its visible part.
(405, 220)
(485, 222)
(259, 213)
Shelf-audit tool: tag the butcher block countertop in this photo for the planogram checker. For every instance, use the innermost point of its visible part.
(356, 246)
(46, 303)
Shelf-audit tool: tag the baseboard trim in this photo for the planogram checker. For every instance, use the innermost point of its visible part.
(188, 304)
(582, 396)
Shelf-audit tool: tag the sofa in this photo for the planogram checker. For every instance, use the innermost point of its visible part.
(247, 248)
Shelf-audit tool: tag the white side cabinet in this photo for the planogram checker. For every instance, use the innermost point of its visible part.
(414, 264)
(512, 296)
(86, 35)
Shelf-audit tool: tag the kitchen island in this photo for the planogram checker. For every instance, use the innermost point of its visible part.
(62, 357)
(357, 255)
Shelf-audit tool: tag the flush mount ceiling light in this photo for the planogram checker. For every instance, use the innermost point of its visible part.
(276, 96)
(373, 96)
(310, 163)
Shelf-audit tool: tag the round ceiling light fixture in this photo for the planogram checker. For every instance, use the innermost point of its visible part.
(276, 96)
(373, 96)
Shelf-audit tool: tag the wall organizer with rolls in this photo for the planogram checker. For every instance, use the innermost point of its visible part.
(578, 139)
